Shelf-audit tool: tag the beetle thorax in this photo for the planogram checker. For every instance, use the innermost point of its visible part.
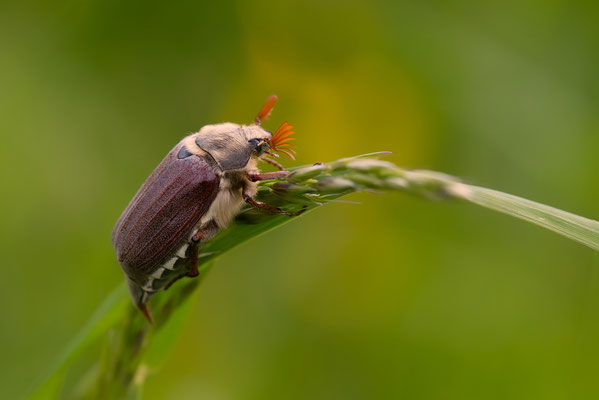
(230, 146)
(228, 201)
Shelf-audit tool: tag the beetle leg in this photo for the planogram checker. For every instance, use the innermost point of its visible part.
(193, 268)
(273, 162)
(201, 236)
(275, 210)
(193, 259)
(175, 279)
(267, 175)
(206, 232)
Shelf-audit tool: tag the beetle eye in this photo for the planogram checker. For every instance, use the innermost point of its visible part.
(254, 142)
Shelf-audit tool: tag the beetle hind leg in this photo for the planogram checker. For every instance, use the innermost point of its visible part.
(204, 234)
(193, 261)
(175, 279)
(192, 272)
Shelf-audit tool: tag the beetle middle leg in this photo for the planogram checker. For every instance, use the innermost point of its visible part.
(206, 232)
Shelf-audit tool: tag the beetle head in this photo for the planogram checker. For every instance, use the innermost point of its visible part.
(231, 145)
(258, 139)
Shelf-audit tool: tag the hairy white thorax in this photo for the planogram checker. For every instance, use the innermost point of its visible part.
(233, 183)
(229, 199)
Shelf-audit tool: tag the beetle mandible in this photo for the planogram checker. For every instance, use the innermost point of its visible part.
(194, 193)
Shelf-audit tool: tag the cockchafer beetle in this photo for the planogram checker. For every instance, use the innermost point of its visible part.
(194, 193)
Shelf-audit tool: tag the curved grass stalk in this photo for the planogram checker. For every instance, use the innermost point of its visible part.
(133, 350)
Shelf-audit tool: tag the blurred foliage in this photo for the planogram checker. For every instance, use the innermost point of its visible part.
(394, 297)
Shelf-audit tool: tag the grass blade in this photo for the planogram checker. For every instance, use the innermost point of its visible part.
(133, 349)
(577, 228)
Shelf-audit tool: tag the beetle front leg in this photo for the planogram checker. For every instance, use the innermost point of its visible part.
(275, 210)
(267, 175)
(273, 162)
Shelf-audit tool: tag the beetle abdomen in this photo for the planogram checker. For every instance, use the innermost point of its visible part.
(161, 216)
(166, 271)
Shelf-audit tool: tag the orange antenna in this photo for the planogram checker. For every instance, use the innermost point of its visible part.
(281, 138)
(266, 109)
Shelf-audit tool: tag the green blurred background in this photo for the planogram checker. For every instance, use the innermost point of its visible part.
(394, 298)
